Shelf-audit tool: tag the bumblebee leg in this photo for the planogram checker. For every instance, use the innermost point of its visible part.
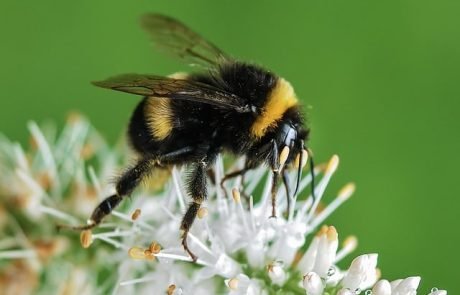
(274, 163)
(231, 175)
(124, 187)
(275, 178)
(288, 190)
(197, 190)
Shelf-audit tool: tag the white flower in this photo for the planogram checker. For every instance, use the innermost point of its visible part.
(243, 285)
(346, 292)
(362, 272)
(240, 249)
(321, 254)
(435, 291)
(407, 286)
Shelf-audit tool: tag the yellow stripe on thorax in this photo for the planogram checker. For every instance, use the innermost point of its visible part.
(281, 98)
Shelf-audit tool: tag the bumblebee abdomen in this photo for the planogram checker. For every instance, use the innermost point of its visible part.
(139, 134)
(162, 125)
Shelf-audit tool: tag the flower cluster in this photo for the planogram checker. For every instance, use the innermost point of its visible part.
(240, 249)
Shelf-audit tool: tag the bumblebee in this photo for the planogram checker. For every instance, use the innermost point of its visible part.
(230, 106)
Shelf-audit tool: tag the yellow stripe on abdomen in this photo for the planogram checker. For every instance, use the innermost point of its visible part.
(159, 117)
(159, 113)
(281, 98)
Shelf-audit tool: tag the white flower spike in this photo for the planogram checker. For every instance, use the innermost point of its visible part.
(241, 250)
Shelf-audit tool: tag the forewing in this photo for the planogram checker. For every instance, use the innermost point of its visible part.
(173, 37)
(158, 86)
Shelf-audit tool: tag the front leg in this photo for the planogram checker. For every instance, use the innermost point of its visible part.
(197, 190)
(277, 162)
(288, 191)
(248, 165)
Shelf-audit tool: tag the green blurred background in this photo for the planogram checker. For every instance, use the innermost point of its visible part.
(381, 78)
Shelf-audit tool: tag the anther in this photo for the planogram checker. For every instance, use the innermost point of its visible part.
(347, 191)
(136, 214)
(236, 195)
(86, 238)
(155, 248)
(350, 242)
(233, 284)
(202, 212)
(332, 164)
(148, 254)
(136, 253)
(171, 289)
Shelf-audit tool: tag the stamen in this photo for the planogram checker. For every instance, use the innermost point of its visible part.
(347, 191)
(349, 245)
(43, 147)
(155, 248)
(332, 164)
(183, 258)
(200, 244)
(236, 195)
(233, 284)
(137, 281)
(17, 254)
(129, 218)
(58, 214)
(256, 177)
(321, 187)
(177, 186)
(343, 195)
(222, 204)
(115, 243)
(86, 238)
(94, 180)
(136, 253)
(202, 212)
(20, 158)
(148, 254)
(136, 214)
(241, 211)
(116, 233)
(171, 289)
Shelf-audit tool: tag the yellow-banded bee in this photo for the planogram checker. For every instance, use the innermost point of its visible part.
(231, 106)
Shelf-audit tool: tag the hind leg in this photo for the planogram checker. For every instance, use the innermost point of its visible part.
(128, 182)
(124, 187)
(197, 190)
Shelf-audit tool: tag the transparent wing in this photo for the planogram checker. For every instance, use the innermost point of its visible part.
(175, 38)
(158, 86)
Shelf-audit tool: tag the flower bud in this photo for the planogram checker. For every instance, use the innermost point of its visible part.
(313, 284)
(382, 287)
